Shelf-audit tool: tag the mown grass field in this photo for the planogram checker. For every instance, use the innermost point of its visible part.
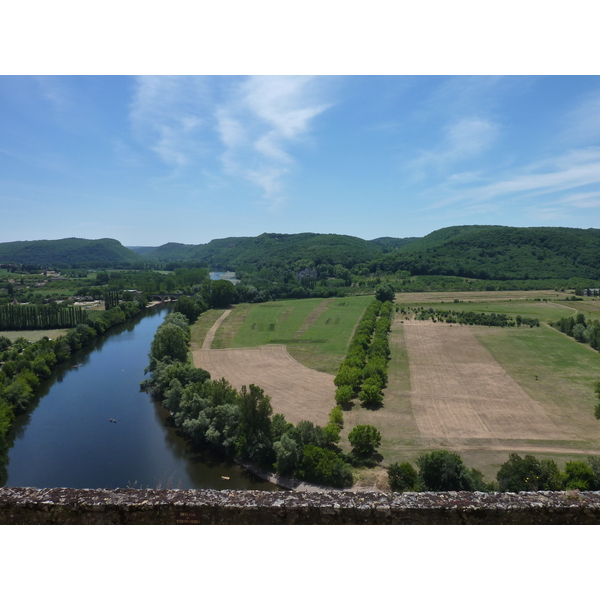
(34, 335)
(315, 331)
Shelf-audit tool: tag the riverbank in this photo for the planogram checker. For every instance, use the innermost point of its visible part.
(287, 483)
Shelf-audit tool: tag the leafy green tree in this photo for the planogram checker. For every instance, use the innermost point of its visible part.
(441, 471)
(364, 439)
(385, 293)
(402, 477)
(528, 474)
(337, 416)
(579, 475)
(188, 307)
(169, 343)
(348, 376)
(371, 396)
(345, 393)
(324, 466)
(223, 293)
(255, 425)
(331, 432)
(286, 454)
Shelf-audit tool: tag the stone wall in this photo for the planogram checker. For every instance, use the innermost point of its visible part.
(62, 506)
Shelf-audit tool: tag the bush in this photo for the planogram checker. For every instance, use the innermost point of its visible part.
(320, 465)
(402, 477)
(443, 471)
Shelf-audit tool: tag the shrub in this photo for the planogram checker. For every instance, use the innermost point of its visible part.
(402, 476)
(320, 465)
(443, 471)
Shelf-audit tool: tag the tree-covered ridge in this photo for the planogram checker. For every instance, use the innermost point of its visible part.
(104, 251)
(273, 250)
(495, 252)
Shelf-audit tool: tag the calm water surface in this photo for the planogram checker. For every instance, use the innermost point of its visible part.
(67, 439)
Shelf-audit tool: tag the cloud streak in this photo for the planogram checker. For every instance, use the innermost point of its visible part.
(261, 122)
(564, 173)
(165, 115)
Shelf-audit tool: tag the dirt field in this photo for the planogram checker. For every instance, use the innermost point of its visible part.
(459, 392)
(296, 391)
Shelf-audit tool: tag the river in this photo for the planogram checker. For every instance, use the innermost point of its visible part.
(67, 439)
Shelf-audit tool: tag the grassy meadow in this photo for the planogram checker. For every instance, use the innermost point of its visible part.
(315, 331)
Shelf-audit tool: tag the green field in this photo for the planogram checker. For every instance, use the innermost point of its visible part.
(315, 331)
(34, 336)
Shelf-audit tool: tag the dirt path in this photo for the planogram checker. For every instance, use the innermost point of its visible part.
(210, 335)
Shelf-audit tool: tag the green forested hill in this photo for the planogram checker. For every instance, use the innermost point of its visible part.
(475, 251)
(495, 252)
(69, 251)
(273, 249)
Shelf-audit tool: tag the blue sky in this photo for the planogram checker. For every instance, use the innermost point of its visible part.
(149, 160)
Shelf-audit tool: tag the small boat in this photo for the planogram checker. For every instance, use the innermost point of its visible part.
(224, 477)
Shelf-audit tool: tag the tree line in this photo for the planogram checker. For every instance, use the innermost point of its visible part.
(16, 317)
(441, 470)
(363, 373)
(470, 317)
(583, 331)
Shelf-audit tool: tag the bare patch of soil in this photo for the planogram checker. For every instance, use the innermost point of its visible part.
(460, 392)
(296, 391)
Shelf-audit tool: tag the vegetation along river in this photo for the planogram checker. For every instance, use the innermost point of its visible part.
(67, 439)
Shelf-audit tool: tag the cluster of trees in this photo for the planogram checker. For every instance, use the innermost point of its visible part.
(364, 370)
(241, 424)
(442, 470)
(577, 327)
(16, 317)
(473, 318)
(438, 471)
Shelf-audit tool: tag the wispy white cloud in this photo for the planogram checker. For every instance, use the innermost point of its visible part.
(566, 172)
(259, 124)
(463, 140)
(166, 115)
(583, 122)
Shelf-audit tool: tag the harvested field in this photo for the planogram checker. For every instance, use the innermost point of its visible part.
(296, 391)
(460, 392)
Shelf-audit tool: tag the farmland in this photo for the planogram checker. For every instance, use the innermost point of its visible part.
(481, 391)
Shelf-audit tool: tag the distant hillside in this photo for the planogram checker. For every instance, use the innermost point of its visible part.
(273, 248)
(142, 250)
(389, 244)
(475, 251)
(496, 252)
(69, 251)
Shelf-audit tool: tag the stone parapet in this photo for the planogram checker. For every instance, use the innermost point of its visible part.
(64, 506)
